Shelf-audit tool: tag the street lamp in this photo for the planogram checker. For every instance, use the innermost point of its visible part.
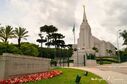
(77, 58)
(118, 44)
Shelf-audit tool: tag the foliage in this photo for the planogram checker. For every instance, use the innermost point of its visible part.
(49, 30)
(109, 51)
(95, 49)
(8, 48)
(91, 57)
(53, 62)
(6, 33)
(107, 59)
(26, 49)
(124, 35)
(20, 33)
(55, 39)
(123, 56)
(104, 62)
(29, 49)
(52, 52)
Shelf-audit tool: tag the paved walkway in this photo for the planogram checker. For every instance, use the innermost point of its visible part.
(110, 76)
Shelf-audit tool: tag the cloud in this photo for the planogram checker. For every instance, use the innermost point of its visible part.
(103, 16)
(32, 14)
(115, 11)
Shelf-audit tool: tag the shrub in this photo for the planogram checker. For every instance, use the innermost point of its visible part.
(107, 59)
(91, 57)
(52, 53)
(8, 48)
(29, 49)
(53, 62)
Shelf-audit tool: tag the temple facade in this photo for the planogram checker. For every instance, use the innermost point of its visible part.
(86, 42)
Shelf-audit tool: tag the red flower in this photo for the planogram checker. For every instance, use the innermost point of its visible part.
(31, 77)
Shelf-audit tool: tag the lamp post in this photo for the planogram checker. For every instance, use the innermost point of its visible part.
(77, 58)
(118, 45)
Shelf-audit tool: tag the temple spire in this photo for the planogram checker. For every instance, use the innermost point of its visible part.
(84, 15)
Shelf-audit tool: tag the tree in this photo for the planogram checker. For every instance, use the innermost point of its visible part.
(6, 33)
(20, 33)
(69, 46)
(59, 43)
(109, 51)
(49, 30)
(56, 40)
(124, 35)
(41, 41)
(95, 49)
(55, 37)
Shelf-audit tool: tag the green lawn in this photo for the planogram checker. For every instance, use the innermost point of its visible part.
(68, 77)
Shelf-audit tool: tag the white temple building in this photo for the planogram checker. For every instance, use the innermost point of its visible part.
(87, 41)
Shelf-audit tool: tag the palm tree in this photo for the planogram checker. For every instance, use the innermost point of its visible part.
(20, 33)
(6, 33)
(49, 30)
(124, 35)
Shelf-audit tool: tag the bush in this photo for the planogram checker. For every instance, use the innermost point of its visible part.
(29, 49)
(53, 62)
(104, 62)
(91, 57)
(123, 56)
(52, 53)
(107, 59)
(8, 48)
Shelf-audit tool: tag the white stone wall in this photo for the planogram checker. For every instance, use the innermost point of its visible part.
(11, 65)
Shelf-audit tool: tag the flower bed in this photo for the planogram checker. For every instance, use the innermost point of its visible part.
(31, 77)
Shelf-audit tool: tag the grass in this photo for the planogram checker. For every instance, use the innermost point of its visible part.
(69, 76)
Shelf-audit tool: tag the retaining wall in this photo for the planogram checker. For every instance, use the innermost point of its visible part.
(11, 65)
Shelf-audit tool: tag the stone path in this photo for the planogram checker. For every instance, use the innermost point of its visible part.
(110, 76)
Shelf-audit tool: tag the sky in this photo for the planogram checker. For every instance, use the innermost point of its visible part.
(105, 17)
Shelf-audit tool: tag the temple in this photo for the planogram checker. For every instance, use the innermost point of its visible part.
(86, 42)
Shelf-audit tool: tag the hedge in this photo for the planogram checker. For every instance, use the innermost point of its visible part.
(107, 59)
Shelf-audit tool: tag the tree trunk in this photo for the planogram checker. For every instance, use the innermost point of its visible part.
(5, 40)
(60, 55)
(19, 42)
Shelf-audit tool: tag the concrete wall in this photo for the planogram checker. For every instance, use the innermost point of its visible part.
(11, 65)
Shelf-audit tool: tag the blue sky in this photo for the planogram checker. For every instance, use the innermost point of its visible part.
(3, 6)
(104, 19)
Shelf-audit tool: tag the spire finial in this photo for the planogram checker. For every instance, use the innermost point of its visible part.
(84, 15)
